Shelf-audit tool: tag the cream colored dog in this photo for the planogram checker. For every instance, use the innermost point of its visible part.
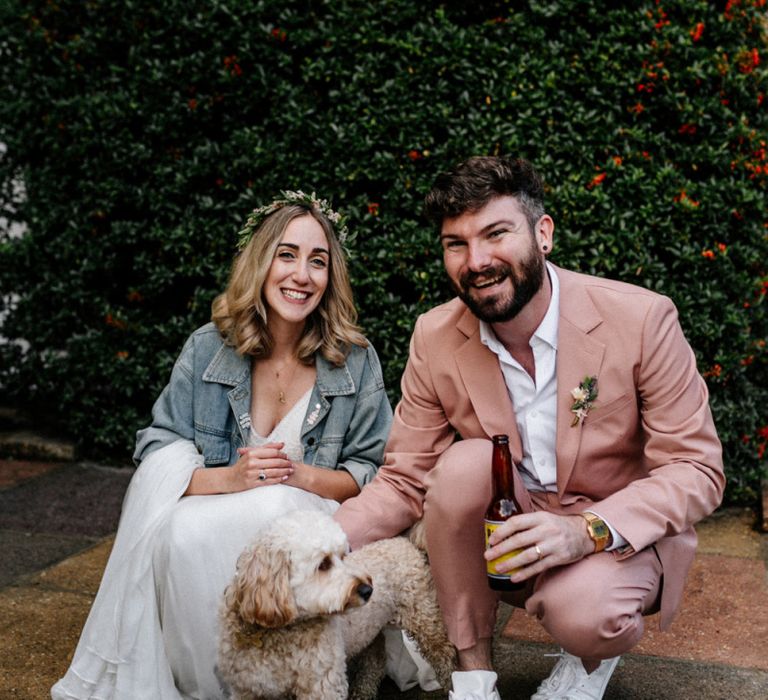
(299, 608)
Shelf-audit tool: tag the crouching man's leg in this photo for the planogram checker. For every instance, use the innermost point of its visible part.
(458, 491)
(594, 609)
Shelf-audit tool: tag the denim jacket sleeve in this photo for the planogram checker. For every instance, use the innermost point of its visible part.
(366, 437)
(172, 414)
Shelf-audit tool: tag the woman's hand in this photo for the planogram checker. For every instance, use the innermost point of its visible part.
(271, 463)
(259, 466)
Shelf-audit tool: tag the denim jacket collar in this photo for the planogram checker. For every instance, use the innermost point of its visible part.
(227, 367)
(332, 380)
(232, 369)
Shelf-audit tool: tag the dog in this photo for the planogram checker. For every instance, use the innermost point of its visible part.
(299, 608)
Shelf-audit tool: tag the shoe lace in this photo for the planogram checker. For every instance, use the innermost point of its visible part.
(563, 669)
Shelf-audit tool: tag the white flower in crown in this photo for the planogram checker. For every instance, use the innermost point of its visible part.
(257, 216)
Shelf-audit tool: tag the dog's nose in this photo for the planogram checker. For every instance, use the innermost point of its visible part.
(364, 591)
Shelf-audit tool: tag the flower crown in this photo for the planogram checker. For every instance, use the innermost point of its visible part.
(257, 216)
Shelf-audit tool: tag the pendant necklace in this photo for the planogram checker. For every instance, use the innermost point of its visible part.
(280, 391)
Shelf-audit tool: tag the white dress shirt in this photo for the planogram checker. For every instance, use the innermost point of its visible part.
(535, 402)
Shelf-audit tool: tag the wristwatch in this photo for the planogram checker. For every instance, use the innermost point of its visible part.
(597, 530)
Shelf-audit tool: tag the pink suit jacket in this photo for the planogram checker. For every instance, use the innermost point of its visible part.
(647, 455)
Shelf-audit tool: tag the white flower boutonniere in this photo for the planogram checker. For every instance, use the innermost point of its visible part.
(584, 396)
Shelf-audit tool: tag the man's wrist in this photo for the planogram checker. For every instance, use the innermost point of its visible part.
(597, 531)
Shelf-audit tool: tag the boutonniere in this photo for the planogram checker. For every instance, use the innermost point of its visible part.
(584, 396)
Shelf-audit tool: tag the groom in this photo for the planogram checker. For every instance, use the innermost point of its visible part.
(608, 421)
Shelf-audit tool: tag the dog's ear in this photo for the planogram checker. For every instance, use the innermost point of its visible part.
(261, 592)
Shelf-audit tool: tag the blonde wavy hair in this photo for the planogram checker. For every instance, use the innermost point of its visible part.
(242, 316)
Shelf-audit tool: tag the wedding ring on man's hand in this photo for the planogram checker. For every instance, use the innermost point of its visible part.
(262, 475)
(538, 551)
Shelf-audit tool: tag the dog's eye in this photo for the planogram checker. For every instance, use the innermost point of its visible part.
(326, 564)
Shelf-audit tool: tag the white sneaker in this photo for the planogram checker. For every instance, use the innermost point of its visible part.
(474, 685)
(570, 681)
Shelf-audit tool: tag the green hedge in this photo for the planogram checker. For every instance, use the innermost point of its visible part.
(145, 134)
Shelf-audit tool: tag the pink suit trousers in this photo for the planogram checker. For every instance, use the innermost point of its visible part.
(593, 608)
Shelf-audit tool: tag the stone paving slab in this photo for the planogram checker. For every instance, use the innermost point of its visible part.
(79, 574)
(26, 552)
(74, 499)
(14, 471)
(29, 444)
(40, 629)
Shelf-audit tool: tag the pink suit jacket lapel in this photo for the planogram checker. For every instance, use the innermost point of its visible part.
(578, 356)
(484, 382)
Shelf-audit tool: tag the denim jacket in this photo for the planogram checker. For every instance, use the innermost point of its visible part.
(208, 400)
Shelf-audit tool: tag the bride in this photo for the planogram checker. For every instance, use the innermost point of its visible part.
(278, 404)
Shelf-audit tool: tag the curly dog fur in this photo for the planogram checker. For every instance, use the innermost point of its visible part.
(299, 608)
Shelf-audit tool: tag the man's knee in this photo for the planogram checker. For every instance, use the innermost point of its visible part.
(459, 483)
(585, 615)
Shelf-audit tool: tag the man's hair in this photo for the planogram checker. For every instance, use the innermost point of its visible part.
(473, 183)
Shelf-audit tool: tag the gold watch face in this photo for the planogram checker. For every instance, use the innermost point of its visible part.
(599, 529)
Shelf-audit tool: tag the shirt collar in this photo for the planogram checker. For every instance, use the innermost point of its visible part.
(548, 328)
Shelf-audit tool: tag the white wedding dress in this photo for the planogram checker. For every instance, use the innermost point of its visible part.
(152, 630)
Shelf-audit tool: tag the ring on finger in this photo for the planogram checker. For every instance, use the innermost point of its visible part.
(539, 552)
(262, 475)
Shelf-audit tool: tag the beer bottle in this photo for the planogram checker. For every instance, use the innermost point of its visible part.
(503, 505)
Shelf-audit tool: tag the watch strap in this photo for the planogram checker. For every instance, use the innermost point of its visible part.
(597, 530)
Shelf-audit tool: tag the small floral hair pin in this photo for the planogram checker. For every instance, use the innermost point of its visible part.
(257, 216)
(584, 397)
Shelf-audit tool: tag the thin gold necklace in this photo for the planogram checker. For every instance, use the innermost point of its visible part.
(280, 391)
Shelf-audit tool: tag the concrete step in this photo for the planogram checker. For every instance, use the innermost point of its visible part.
(31, 445)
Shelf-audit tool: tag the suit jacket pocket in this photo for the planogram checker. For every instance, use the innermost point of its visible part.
(601, 411)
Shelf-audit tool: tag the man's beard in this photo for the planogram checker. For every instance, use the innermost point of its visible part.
(497, 309)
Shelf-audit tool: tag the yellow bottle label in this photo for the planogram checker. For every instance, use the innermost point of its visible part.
(490, 566)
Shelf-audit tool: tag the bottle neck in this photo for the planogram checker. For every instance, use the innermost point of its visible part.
(501, 471)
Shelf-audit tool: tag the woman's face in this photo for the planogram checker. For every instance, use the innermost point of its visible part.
(298, 275)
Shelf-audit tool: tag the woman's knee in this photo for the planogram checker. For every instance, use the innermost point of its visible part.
(187, 530)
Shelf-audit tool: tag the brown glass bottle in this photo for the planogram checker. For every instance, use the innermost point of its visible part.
(503, 506)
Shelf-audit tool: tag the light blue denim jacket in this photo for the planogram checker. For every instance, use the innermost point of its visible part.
(208, 400)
